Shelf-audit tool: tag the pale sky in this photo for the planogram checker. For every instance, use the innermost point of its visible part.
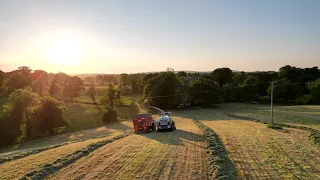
(116, 36)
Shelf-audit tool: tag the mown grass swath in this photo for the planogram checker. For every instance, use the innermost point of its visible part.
(221, 167)
(48, 169)
(314, 134)
(22, 155)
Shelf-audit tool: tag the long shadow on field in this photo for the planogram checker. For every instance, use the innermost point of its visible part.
(178, 137)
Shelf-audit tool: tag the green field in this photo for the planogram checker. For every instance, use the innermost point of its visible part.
(85, 116)
(126, 99)
(240, 149)
(299, 115)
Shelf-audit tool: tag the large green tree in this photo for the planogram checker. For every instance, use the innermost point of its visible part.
(16, 112)
(54, 88)
(238, 78)
(125, 83)
(249, 88)
(314, 88)
(48, 118)
(60, 78)
(40, 81)
(18, 79)
(222, 76)
(289, 72)
(162, 90)
(110, 98)
(284, 90)
(205, 92)
(72, 87)
(91, 92)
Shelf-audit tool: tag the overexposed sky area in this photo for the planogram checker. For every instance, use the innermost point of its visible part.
(116, 36)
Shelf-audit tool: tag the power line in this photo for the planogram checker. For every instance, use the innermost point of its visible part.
(155, 97)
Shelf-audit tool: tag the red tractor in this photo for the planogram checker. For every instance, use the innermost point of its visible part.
(143, 122)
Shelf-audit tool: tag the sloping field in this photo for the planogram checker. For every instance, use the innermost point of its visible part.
(83, 135)
(17, 168)
(262, 153)
(300, 115)
(168, 155)
(255, 151)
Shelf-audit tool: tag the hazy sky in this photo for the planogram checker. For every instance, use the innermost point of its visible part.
(114, 36)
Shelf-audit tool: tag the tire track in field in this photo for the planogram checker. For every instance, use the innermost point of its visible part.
(166, 155)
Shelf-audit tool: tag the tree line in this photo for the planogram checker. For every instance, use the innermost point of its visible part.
(36, 99)
(167, 89)
(36, 103)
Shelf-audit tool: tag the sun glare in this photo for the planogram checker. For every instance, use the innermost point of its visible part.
(65, 51)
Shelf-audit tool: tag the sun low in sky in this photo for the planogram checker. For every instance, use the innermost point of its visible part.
(114, 36)
(65, 50)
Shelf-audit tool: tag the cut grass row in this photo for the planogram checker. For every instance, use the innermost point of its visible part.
(308, 116)
(24, 154)
(262, 153)
(50, 168)
(15, 169)
(314, 133)
(220, 165)
(35, 146)
(218, 114)
(179, 154)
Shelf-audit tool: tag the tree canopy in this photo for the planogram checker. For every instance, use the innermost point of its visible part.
(72, 87)
(166, 85)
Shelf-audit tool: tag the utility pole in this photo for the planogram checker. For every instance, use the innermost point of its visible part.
(272, 103)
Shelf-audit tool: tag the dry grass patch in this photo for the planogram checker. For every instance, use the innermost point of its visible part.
(179, 154)
(262, 153)
(17, 168)
(308, 116)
